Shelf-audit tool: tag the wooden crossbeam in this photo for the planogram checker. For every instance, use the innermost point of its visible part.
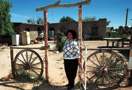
(58, 5)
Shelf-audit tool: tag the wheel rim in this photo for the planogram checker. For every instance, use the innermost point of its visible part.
(105, 67)
(28, 62)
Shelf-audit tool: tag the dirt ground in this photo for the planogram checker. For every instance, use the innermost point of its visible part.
(57, 77)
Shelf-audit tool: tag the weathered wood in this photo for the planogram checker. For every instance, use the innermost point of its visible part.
(46, 44)
(27, 47)
(12, 60)
(80, 23)
(129, 75)
(123, 49)
(131, 36)
(58, 5)
(80, 34)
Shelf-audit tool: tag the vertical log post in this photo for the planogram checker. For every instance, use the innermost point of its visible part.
(80, 30)
(129, 75)
(46, 44)
(12, 60)
(131, 36)
(80, 23)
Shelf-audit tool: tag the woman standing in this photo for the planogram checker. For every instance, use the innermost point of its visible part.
(71, 57)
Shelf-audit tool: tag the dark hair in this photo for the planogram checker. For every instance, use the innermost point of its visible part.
(74, 34)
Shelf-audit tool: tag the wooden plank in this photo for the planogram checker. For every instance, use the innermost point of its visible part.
(27, 47)
(58, 5)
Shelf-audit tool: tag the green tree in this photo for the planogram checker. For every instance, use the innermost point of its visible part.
(120, 29)
(31, 20)
(5, 18)
(89, 19)
(66, 19)
(112, 28)
(38, 21)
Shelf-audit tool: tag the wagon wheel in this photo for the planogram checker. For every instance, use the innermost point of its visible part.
(28, 62)
(105, 67)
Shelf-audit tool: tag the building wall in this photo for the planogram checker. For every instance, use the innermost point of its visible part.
(87, 28)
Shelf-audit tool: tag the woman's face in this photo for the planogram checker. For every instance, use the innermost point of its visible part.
(69, 36)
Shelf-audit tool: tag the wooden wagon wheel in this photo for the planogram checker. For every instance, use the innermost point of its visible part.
(28, 61)
(105, 67)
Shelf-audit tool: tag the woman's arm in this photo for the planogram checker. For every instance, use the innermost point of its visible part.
(80, 63)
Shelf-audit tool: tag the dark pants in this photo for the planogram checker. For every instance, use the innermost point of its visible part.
(71, 70)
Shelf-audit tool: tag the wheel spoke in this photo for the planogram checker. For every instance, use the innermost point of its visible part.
(107, 79)
(92, 77)
(103, 79)
(20, 60)
(117, 74)
(27, 55)
(114, 78)
(103, 58)
(19, 69)
(92, 67)
(34, 59)
(19, 64)
(93, 62)
(113, 64)
(36, 68)
(97, 79)
(30, 57)
(114, 69)
(109, 60)
(23, 57)
(93, 71)
(36, 63)
(35, 72)
(97, 59)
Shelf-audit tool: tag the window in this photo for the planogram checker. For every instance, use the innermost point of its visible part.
(51, 33)
(27, 29)
(63, 29)
(94, 30)
(39, 29)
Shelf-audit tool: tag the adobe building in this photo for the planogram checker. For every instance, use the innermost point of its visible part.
(91, 29)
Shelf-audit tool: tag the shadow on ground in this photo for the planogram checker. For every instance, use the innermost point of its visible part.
(46, 86)
(10, 84)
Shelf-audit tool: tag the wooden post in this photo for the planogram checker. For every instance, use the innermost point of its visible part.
(12, 60)
(46, 44)
(131, 36)
(129, 75)
(80, 23)
(80, 31)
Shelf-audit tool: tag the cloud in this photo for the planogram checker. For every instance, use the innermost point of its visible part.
(19, 16)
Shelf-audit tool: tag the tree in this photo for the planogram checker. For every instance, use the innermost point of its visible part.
(89, 19)
(120, 29)
(38, 21)
(5, 18)
(66, 19)
(112, 28)
(31, 20)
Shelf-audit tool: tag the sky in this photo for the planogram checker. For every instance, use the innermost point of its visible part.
(112, 10)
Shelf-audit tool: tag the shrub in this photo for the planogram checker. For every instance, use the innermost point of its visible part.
(60, 38)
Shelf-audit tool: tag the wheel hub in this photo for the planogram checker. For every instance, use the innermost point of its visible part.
(27, 66)
(103, 70)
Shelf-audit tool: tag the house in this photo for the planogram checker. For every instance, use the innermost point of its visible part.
(91, 29)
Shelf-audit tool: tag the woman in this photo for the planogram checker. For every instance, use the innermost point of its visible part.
(71, 57)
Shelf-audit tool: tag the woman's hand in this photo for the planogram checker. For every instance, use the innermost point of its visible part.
(80, 63)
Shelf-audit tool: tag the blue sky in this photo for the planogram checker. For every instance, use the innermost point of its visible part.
(113, 10)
